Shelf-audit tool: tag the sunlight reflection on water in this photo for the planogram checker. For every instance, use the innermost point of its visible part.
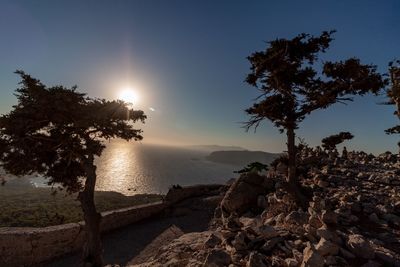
(134, 168)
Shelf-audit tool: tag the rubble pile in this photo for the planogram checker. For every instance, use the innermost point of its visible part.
(353, 218)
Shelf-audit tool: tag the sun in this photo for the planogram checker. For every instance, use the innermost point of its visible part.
(128, 95)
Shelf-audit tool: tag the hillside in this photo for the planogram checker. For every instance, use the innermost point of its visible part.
(212, 148)
(241, 158)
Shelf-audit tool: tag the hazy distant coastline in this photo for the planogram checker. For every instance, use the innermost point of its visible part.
(241, 157)
(212, 148)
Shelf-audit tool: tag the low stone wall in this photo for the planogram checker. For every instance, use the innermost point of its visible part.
(118, 218)
(23, 246)
(26, 246)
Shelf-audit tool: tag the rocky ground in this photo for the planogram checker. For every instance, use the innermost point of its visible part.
(352, 219)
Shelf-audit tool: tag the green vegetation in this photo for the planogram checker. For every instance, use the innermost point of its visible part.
(37, 207)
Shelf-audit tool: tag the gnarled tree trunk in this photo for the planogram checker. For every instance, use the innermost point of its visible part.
(293, 184)
(292, 179)
(92, 251)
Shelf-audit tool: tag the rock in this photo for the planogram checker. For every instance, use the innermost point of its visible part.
(325, 247)
(165, 238)
(311, 258)
(371, 263)
(314, 221)
(374, 218)
(297, 217)
(290, 262)
(356, 207)
(267, 232)
(335, 261)
(298, 243)
(239, 243)
(282, 168)
(226, 234)
(232, 223)
(216, 258)
(297, 255)
(330, 261)
(329, 217)
(360, 247)
(387, 257)
(262, 202)
(322, 183)
(368, 207)
(270, 244)
(250, 222)
(243, 193)
(256, 260)
(325, 169)
(394, 219)
(212, 241)
(279, 218)
(179, 252)
(324, 233)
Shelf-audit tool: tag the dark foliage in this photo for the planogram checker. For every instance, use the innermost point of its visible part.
(393, 93)
(253, 167)
(330, 142)
(57, 132)
(54, 130)
(291, 85)
(281, 159)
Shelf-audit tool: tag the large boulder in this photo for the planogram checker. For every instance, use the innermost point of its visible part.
(360, 247)
(244, 192)
(217, 257)
(180, 252)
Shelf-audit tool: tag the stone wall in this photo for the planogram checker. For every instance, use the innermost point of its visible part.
(23, 246)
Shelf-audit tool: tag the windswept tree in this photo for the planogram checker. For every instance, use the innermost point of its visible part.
(57, 132)
(330, 142)
(293, 83)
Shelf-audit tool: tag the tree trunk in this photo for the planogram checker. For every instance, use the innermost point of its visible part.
(293, 185)
(92, 251)
(291, 179)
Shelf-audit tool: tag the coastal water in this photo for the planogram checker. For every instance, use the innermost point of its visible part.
(134, 168)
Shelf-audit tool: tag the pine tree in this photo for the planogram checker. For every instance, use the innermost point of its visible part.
(57, 132)
(291, 85)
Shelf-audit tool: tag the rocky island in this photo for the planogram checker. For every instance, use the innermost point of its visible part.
(242, 157)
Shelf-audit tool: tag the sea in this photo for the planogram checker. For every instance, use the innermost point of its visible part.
(134, 168)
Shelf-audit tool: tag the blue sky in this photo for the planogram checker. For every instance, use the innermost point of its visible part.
(187, 60)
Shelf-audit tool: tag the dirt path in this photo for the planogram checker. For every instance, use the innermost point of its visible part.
(120, 246)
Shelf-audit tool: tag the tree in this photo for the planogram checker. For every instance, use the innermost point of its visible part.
(57, 132)
(393, 93)
(256, 167)
(292, 86)
(330, 142)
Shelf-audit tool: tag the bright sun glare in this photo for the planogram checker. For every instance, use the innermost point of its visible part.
(128, 95)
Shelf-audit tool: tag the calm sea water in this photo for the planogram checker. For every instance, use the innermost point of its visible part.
(134, 168)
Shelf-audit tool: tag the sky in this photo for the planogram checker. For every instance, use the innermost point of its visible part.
(186, 61)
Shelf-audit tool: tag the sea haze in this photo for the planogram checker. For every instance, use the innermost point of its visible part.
(132, 168)
(135, 168)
